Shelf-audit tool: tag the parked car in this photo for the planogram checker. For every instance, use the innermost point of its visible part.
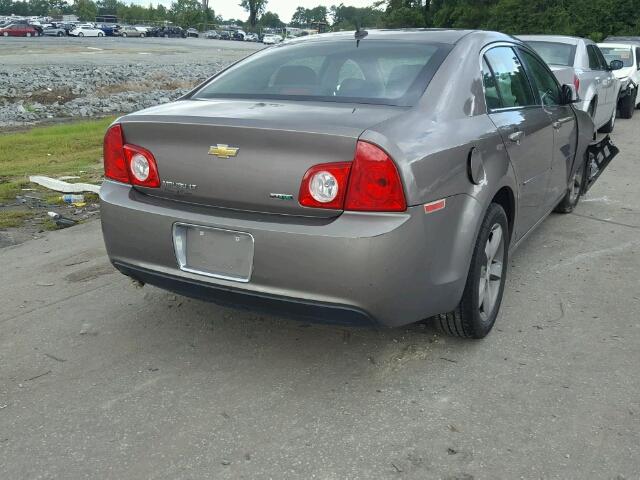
(387, 192)
(211, 34)
(108, 29)
(18, 30)
(579, 61)
(86, 32)
(252, 37)
(239, 35)
(54, 32)
(629, 74)
(192, 32)
(169, 32)
(270, 39)
(225, 35)
(128, 31)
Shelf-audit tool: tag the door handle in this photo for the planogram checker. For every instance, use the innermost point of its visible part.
(515, 137)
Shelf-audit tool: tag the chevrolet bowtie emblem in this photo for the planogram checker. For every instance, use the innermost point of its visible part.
(223, 151)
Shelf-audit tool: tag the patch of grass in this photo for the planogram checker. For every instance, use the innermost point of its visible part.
(49, 224)
(13, 218)
(10, 188)
(53, 150)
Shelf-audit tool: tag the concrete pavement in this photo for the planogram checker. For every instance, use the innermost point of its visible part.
(99, 379)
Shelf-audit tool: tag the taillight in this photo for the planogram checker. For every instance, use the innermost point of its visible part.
(142, 166)
(374, 183)
(324, 186)
(128, 163)
(370, 183)
(115, 165)
(576, 83)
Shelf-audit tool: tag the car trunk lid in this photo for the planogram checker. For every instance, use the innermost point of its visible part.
(247, 155)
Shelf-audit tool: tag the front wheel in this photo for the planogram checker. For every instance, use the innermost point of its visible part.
(628, 105)
(28, 34)
(100, 35)
(476, 313)
(142, 35)
(60, 34)
(574, 191)
(81, 34)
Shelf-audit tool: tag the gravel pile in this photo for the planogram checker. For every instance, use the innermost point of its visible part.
(35, 94)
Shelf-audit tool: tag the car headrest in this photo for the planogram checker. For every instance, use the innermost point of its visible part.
(401, 78)
(357, 87)
(295, 75)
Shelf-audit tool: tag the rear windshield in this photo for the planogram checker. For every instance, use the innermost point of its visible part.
(625, 55)
(555, 53)
(373, 71)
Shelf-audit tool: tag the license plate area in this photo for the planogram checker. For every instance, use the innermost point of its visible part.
(213, 252)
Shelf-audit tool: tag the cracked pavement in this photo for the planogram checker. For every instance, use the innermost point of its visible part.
(100, 379)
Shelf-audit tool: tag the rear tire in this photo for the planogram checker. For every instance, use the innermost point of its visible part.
(81, 34)
(60, 34)
(572, 197)
(28, 34)
(476, 313)
(608, 127)
(124, 35)
(628, 105)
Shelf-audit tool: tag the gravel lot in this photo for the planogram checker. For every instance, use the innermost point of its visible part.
(99, 379)
(44, 79)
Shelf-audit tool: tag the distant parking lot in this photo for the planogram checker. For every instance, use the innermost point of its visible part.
(115, 50)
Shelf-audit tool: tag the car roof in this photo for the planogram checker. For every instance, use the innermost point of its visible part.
(438, 35)
(554, 38)
(617, 45)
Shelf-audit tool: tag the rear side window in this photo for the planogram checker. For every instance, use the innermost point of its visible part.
(511, 81)
(594, 60)
(555, 53)
(491, 94)
(638, 57)
(373, 71)
(545, 82)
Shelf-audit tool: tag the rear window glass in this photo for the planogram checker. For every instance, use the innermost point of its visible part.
(373, 71)
(554, 53)
(625, 55)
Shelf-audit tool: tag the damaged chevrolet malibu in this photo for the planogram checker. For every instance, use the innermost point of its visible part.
(368, 178)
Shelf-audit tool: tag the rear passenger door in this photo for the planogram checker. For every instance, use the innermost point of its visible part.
(525, 129)
(563, 121)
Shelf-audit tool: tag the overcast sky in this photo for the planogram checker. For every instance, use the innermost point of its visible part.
(284, 8)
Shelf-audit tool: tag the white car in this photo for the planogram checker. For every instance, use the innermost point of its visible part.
(270, 39)
(86, 32)
(579, 62)
(629, 74)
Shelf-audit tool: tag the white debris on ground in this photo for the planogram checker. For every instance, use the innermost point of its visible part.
(62, 186)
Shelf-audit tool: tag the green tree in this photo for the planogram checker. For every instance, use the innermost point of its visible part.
(85, 10)
(270, 20)
(255, 9)
(185, 13)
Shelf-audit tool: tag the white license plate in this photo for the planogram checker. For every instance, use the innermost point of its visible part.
(214, 252)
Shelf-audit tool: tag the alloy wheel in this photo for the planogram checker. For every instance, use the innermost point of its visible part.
(575, 186)
(491, 272)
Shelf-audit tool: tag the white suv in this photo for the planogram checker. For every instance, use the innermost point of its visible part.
(629, 74)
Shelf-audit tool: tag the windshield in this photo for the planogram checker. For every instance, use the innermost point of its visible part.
(373, 71)
(624, 54)
(554, 53)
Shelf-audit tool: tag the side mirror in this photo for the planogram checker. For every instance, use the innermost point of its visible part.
(616, 65)
(568, 95)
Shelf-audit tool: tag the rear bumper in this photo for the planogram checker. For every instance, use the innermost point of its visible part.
(358, 268)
